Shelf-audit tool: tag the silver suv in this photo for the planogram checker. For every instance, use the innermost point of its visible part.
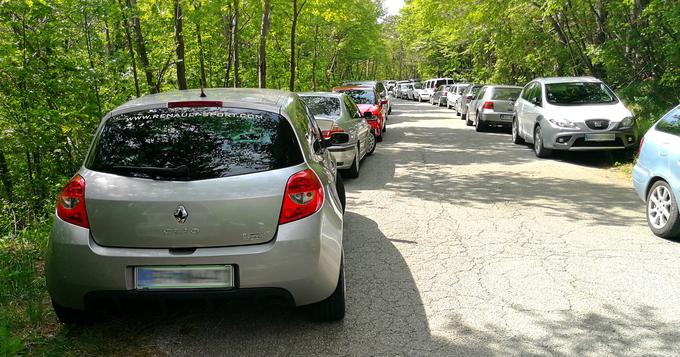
(572, 113)
(231, 193)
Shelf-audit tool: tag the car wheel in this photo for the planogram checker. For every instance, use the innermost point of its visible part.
(457, 111)
(340, 187)
(662, 211)
(371, 145)
(539, 148)
(333, 307)
(469, 122)
(448, 105)
(479, 126)
(516, 138)
(353, 171)
(68, 316)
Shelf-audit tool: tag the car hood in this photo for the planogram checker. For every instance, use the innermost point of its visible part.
(581, 113)
(367, 107)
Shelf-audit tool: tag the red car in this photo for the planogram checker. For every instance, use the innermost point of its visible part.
(370, 105)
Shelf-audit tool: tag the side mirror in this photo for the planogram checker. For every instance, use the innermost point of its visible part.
(535, 101)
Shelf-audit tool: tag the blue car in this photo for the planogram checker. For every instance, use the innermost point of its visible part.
(656, 175)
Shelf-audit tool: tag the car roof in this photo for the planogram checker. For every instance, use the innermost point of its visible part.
(322, 94)
(352, 88)
(265, 99)
(549, 80)
(502, 86)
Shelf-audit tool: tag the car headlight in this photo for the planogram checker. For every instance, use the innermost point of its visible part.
(627, 122)
(562, 123)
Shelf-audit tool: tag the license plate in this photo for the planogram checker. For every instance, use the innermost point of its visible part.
(506, 117)
(184, 277)
(600, 137)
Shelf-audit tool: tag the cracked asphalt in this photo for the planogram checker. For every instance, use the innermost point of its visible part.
(461, 243)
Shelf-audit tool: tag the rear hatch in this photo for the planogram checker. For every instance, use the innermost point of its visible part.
(504, 99)
(189, 177)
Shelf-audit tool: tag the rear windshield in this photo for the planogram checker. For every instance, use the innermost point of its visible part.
(506, 93)
(579, 93)
(670, 123)
(194, 144)
(327, 107)
(360, 96)
(461, 89)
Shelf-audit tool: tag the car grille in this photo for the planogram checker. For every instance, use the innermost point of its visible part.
(595, 144)
(598, 124)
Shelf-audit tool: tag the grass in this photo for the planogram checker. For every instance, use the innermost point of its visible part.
(28, 325)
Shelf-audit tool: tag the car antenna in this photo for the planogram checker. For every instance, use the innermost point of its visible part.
(202, 91)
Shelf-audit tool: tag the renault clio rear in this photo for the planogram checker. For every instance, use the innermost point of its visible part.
(181, 194)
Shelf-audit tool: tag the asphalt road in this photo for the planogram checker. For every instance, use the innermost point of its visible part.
(461, 243)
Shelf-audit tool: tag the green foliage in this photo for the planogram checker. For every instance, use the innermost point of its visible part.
(631, 45)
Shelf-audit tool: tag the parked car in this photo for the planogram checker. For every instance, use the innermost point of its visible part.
(372, 107)
(228, 194)
(656, 175)
(493, 106)
(431, 86)
(402, 90)
(378, 86)
(463, 103)
(414, 90)
(453, 95)
(439, 95)
(341, 122)
(572, 113)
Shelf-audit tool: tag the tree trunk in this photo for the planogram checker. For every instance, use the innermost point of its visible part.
(296, 14)
(179, 49)
(131, 51)
(199, 41)
(4, 176)
(234, 43)
(227, 18)
(141, 45)
(315, 54)
(107, 36)
(262, 53)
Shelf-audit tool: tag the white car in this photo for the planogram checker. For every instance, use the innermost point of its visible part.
(572, 113)
(454, 94)
(431, 86)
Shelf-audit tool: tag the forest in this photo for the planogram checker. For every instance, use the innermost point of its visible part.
(66, 63)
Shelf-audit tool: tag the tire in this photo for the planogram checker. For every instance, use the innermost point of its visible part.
(379, 138)
(457, 111)
(479, 126)
(663, 205)
(539, 148)
(340, 187)
(371, 144)
(333, 307)
(469, 122)
(353, 171)
(72, 317)
(516, 137)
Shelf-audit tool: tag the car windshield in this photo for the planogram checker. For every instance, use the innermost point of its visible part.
(474, 90)
(577, 93)
(506, 93)
(417, 85)
(360, 96)
(194, 143)
(327, 107)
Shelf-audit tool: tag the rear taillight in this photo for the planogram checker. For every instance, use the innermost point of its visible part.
(642, 142)
(71, 203)
(334, 129)
(488, 105)
(303, 197)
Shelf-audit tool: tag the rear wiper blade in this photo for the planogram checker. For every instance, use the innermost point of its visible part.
(179, 171)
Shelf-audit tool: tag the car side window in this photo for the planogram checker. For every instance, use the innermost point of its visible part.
(670, 123)
(313, 131)
(538, 94)
(481, 93)
(527, 91)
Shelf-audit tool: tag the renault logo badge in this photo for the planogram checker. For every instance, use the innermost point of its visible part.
(181, 214)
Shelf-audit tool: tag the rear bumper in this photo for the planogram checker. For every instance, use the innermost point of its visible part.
(303, 260)
(343, 155)
(504, 119)
(641, 178)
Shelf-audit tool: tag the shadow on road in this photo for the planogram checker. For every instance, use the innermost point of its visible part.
(433, 159)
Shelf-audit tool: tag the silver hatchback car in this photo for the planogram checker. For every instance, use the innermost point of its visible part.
(231, 193)
(341, 122)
